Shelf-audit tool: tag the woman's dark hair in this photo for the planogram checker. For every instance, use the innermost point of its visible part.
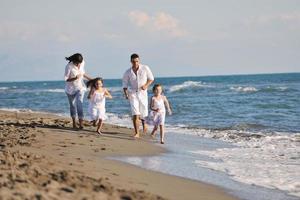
(92, 83)
(156, 86)
(75, 58)
(133, 56)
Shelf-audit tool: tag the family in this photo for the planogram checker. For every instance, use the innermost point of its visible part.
(136, 81)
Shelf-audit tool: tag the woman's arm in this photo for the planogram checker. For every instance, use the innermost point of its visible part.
(167, 104)
(107, 94)
(87, 77)
(72, 79)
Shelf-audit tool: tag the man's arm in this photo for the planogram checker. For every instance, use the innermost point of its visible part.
(150, 79)
(148, 83)
(125, 90)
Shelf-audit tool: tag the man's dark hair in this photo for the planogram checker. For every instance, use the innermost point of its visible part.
(134, 56)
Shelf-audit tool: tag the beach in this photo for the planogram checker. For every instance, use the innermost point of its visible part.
(42, 157)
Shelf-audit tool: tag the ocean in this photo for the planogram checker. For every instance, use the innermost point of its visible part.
(241, 132)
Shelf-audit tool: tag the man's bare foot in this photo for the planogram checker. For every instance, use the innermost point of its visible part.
(80, 127)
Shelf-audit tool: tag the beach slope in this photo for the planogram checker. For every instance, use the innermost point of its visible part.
(41, 157)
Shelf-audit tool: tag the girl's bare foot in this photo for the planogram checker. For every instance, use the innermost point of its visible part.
(152, 136)
(137, 135)
(99, 132)
(145, 130)
(162, 142)
(94, 122)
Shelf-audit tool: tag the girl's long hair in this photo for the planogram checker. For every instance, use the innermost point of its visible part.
(92, 83)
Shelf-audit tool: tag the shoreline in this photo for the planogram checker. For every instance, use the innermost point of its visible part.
(86, 153)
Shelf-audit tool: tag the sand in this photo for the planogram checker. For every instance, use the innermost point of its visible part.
(42, 157)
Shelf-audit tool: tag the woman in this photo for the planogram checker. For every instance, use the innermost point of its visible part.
(75, 87)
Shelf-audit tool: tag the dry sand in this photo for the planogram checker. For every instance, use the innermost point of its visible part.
(42, 157)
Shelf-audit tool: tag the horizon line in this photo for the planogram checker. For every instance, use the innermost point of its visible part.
(191, 76)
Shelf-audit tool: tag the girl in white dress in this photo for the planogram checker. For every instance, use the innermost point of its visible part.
(97, 96)
(158, 106)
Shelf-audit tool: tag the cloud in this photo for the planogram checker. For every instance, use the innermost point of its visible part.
(139, 18)
(290, 19)
(160, 22)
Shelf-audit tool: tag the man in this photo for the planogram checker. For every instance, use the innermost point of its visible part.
(136, 81)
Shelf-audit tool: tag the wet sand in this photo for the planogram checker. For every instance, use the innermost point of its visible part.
(42, 157)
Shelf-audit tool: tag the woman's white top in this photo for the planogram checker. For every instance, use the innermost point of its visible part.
(72, 71)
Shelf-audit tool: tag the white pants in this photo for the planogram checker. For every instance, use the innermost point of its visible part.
(139, 103)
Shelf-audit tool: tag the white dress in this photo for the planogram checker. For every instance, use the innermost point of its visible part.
(157, 118)
(97, 106)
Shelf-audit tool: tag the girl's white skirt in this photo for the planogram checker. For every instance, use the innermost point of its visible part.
(156, 118)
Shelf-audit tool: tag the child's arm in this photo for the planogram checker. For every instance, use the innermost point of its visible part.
(107, 94)
(167, 104)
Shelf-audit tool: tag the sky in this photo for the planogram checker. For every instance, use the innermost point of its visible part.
(172, 37)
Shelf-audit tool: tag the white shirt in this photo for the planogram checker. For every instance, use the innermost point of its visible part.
(72, 71)
(135, 82)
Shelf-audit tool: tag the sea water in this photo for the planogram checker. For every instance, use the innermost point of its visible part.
(250, 125)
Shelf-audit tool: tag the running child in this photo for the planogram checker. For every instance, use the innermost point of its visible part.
(97, 96)
(158, 106)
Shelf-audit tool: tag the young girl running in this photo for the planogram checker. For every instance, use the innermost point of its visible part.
(158, 106)
(96, 98)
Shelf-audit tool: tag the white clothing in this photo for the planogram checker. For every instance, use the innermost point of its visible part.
(135, 82)
(157, 118)
(71, 71)
(97, 106)
(138, 98)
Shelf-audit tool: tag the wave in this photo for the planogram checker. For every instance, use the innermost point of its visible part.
(277, 89)
(53, 90)
(189, 85)
(16, 110)
(268, 161)
(4, 88)
(115, 89)
(244, 89)
(251, 89)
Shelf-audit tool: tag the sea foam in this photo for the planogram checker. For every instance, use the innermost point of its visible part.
(189, 85)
